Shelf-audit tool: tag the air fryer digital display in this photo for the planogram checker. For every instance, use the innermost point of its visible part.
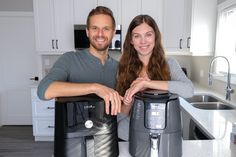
(155, 115)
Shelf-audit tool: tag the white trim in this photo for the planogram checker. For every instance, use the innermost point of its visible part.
(15, 14)
(226, 4)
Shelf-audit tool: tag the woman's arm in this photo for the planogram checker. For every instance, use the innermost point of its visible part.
(179, 83)
(138, 85)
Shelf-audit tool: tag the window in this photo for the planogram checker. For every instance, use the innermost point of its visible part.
(226, 37)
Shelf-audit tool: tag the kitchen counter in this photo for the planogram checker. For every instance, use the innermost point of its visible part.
(216, 123)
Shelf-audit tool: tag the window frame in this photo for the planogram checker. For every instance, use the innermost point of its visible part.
(222, 8)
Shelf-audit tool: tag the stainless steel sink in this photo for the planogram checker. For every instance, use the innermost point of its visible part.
(203, 98)
(209, 102)
(212, 106)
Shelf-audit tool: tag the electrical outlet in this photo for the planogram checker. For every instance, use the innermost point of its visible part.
(201, 73)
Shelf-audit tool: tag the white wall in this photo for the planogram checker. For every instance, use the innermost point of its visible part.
(13, 6)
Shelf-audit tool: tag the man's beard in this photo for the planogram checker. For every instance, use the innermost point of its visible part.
(99, 47)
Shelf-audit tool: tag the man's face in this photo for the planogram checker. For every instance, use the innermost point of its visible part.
(100, 32)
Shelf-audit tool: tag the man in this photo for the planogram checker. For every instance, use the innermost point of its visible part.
(91, 71)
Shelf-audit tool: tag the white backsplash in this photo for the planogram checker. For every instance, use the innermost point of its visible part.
(47, 63)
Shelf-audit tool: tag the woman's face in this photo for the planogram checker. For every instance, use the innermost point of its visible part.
(143, 40)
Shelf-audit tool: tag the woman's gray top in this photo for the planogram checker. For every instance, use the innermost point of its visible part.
(179, 84)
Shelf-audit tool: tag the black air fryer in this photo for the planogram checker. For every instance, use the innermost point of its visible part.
(155, 125)
(83, 129)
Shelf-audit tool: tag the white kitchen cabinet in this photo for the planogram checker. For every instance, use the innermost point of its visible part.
(54, 25)
(82, 9)
(150, 7)
(128, 13)
(203, 30)
(173, 25)
(189, 27)
(115, 6)
(153, 8)
(43, 117)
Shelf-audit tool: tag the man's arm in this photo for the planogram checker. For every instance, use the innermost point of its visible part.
(110, 96)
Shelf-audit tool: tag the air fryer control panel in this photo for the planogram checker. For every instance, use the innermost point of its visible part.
(155, 115)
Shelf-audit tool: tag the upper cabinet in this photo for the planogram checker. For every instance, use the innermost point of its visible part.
(115, 6)
(128, 13)
(176, 19)
(189, 27)
(82, 9)
(54, 25)
(150, 7)
(153, 8)
(203, 30)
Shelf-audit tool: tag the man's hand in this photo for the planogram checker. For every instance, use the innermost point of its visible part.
(111, 97)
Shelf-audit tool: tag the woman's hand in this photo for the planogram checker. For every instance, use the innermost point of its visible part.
(137, 85)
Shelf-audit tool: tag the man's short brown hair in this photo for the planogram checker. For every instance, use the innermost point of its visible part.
(101, 10)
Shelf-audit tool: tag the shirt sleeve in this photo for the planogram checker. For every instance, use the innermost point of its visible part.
(179, 83)
(59, 72)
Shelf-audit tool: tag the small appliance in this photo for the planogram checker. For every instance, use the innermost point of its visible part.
(155, 125)
(83, 129)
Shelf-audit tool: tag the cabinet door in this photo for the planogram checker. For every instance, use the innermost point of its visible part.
(128, 13)
(64, 25)
(173, 23)
(44, 24)
(187, 25)
(153, 8)
(203, 27)
(54, 25)
(115, 6)
(82, 9)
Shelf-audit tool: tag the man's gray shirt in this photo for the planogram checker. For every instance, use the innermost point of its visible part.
(80, 67)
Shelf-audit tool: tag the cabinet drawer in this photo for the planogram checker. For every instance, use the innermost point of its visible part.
(43, 127)
(43, 108)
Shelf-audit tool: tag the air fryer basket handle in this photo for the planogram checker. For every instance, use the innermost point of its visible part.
(155, 143)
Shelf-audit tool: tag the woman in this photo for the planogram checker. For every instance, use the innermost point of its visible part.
(143, 65)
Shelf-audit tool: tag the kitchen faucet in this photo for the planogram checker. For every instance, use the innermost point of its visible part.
(229, 90)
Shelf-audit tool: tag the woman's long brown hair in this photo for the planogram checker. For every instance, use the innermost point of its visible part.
(130, 65)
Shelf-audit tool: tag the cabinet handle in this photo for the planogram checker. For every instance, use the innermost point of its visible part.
(180, 43)
(53, 44)
(36, 78)
(188, 42)
(51, 108)
(56, 44)
(50, 126)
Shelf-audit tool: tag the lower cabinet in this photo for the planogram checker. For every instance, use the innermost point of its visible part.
(43, 117)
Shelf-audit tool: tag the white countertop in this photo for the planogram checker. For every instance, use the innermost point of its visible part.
(217, 123)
